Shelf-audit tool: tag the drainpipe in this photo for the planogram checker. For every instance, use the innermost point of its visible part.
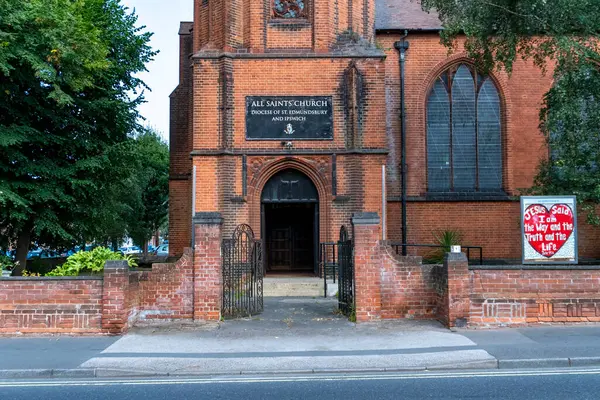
(402, 46)
(193, 245)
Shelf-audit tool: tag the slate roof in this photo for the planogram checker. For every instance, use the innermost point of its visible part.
(404, 14)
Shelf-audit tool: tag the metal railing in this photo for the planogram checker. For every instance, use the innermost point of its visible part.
(328, 260)
(328, 263)
(398, 246)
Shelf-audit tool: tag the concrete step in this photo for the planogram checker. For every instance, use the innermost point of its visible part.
(297, 287)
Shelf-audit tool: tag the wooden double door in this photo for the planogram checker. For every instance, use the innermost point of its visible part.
(290, 233)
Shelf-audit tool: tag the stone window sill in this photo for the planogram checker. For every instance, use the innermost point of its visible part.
(468, 196)
(290, 24)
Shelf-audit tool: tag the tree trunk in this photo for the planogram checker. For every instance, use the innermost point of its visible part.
(145, 249)
(23, 243)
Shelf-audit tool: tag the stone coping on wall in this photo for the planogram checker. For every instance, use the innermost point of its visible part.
(50, 278)
(548, 267)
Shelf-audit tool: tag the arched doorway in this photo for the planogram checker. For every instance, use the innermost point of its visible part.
(290, 223)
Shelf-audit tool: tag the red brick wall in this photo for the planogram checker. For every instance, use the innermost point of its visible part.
(180, 145)
(493, 296)
(367, 265)
(50, 305)
(407, 287)
(235, 25)
(105, 305)
(521, 94)
(493, 225)
(230, 42)
(208, 269)
(389, 286)
(240, 51)
(220, 90)
(165, 293)
(516, 297)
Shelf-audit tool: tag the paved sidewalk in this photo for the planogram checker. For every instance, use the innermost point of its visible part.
(298, 335)
(293, 334)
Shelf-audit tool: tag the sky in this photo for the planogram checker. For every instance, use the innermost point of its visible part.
(161, 17)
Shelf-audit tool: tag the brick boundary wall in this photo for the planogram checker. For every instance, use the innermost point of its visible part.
(108, 304)
(390, 286)
(208, 283)
(387, 285)
(190, 289)
(51, 305)
(494, 296)
(165, 292)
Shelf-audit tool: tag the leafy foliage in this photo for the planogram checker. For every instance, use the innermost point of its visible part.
(445, 239)
(68, 103)
(559, 35)
(89, 262)
(6, 263)
(151, 206)
(499, 32)
(571, 124)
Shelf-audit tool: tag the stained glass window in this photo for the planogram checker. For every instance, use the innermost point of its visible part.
(464, 148)
(289, 9)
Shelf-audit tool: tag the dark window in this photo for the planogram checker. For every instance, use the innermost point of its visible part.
(464, 151)
(289, 9)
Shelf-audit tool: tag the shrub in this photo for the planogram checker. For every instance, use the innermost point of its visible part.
(40, 266)
(445, 239)
(6, 263)
(90, 262)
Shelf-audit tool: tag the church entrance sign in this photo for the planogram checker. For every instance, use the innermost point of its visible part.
(289, 118)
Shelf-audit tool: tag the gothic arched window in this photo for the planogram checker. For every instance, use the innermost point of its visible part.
(289, 9)
(464, 148)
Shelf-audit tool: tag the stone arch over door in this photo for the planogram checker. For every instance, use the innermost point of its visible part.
(258, 182)
(289, 186)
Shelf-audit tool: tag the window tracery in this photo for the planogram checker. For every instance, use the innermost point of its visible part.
(289, 9)
(464, 150)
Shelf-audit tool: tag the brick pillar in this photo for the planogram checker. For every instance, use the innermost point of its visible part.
(458, 291)
(115, 312)
(367, 266)
(208, 271)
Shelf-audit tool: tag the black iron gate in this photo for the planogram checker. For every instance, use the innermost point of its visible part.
(242, 274)
(346, 273)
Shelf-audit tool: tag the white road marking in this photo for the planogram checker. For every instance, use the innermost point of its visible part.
(300, 378)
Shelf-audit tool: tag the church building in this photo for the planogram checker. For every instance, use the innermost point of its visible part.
(293, 115)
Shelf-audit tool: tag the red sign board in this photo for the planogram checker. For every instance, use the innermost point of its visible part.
(549, 229)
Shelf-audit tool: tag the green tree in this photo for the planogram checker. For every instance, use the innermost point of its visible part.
(561, 36)
(68, 100)
(151, 207)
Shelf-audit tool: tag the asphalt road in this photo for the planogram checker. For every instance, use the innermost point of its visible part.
(523, 385)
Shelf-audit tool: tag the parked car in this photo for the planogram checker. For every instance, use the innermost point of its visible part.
(33, 253)
(130, 250)
(162, 250)
(50, 254)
